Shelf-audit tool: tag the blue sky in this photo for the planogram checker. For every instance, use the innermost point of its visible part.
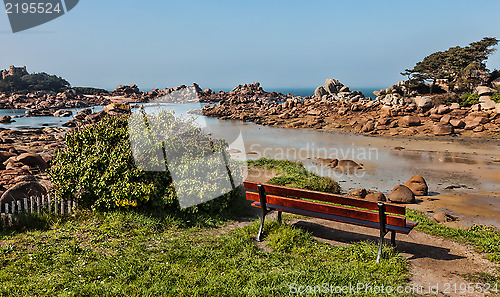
(219, 44)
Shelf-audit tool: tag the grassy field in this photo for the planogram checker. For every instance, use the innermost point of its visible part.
(130, 254)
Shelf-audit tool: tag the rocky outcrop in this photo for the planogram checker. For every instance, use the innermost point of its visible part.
(244, 93)
(332, 108)
(122, 90)
(334, 90)
(86, 117)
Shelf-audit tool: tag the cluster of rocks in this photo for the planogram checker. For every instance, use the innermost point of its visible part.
(246, 92)
(86, 117)
(180, 94)
(390, 114)
(39, 101)
(416, 186)
(24, 157)
(336, 91)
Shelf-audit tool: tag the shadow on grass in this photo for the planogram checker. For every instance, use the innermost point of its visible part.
(417, 250)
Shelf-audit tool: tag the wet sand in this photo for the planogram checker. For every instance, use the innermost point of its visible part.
(463, 175)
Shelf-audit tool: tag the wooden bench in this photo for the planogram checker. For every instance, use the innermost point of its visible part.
(383, 216)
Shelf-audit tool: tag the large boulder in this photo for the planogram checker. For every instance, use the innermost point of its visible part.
(82, 114)
(442, 129)
(23, 190)
(368, 127)
(417, 185)
(320, 92)
(117, 109)
(484, 91)
(376, 197)
(63, 113)
(408, 121)
(424, 101)
(346, 165)
(332, 86)
(457, 124)
(8, 177)
(360, 193)
(128, 89)
(5, 155)
(401, 194)
(32, 160)
(6, 119)
(488, 104)
(442, 109)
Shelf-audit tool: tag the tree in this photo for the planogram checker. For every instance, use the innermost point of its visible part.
(33, 82)
(460, 67)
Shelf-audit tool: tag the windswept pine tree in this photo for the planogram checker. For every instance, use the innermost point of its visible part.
(460, 68)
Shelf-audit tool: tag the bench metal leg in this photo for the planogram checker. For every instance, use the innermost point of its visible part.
(279, 217)
(383, 231)
(393, 238)
(261, 229)
(381, 242)
(263, 207)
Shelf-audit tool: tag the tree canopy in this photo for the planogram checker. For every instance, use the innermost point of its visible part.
(462, 68)
(33, 82)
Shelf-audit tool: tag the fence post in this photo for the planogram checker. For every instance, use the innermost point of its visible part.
(32, 207)
(25, 200)
(38, 204)
(62, 207)
(49, 199)
(8, 217)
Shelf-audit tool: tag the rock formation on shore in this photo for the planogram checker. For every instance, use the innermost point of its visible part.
(335, 107)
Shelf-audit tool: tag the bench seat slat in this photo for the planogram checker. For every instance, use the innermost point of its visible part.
(326, 197)
(359, 222)
(360, 214)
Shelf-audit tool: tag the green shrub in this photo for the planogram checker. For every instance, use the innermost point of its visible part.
(468, 99)
(98, 168)
(496, 97)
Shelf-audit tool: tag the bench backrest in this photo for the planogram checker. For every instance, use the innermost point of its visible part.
(346, 206)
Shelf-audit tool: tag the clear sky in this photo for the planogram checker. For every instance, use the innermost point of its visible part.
(219, 44)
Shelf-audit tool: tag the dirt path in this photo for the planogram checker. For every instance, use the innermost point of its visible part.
(434, 261)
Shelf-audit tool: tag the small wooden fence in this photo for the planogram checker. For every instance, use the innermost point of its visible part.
(10, 211)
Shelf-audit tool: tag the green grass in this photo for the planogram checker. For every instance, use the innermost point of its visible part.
(130, 254)
(484, 239)
(294, 175)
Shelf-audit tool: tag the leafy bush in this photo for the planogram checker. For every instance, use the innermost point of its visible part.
(98, 168)
(294, 175)
(496, 97)
(468, 99)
